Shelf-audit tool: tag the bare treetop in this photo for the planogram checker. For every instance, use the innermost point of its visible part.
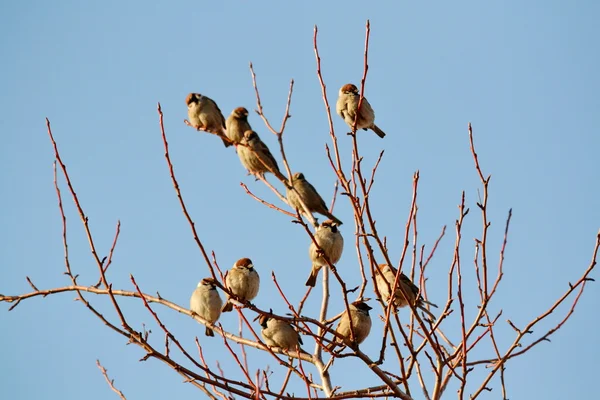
(443, 342)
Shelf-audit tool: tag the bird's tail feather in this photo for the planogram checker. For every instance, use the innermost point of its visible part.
(378, 131)
(426, 311)
(333, 218)
(227, 307)
(312, 279)
(428, 302)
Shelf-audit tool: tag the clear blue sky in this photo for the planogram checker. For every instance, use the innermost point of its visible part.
(524, 73)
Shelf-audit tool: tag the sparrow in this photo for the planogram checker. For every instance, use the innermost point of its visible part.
(384, 279)
(243, 281)
(330, 240)
(205, 115)
(278, 333)
(347, 104)
(311, 198)
(237, 124)
(207, 303)
(361, 324)
(254, 154)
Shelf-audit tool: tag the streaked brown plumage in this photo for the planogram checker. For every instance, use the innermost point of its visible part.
(237, 124)
(361, 324)
(384, 278)
(311, 198)
(256, 157)
(278, 333)
(205, 115)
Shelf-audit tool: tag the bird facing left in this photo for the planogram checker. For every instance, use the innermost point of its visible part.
(205, 115)
(278, 333)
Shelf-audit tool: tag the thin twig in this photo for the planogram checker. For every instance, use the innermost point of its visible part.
(111, 382)
(178, 192)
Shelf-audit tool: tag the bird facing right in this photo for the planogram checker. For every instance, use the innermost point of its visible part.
(278, 333)
(243, 281)
(330, 240)
(309, 195)
(207, 303)
(205, 115)
(361, 325)
(346, 107)
(384, 279)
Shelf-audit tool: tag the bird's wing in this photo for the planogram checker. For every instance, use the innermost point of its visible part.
(348, 112)
(406, 280)
(321, 201)
(299, 337)
(262, 147)
(210, 103)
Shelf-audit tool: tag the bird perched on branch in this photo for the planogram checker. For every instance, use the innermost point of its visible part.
(236, 124)
(207, 303)
(385, 276)
(243, 281)
(205, 115)
(309, 195)
(278, 333)
(361, 325)
(331, 242)
(346, 107)
(256, 157)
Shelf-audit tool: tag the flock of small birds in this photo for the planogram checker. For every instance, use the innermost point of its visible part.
(242, 280)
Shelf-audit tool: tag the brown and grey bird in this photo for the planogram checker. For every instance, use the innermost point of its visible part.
(205, 115)
(385, 277)
(256, 157)
(361, 325)
(331, 242)
(243, 281)
(278, 333)
(309, 195)
(207, 303)
(236, 124)
(346, 107)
